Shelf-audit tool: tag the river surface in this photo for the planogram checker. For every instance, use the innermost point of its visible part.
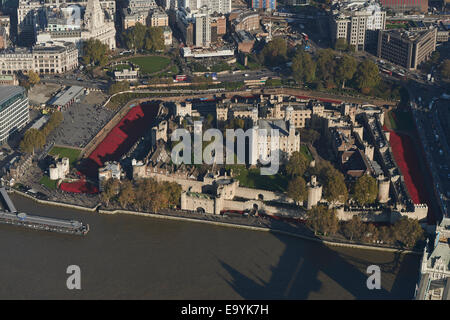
(132, 257)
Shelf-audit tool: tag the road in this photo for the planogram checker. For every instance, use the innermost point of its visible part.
(425, 106)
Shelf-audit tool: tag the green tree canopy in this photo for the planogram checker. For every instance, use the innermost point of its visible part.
(334, 188)
(303, 67)
(367, 75)
(297, 164)
(297, 189)
(274, 53)
(366, 190)
(326, 64)
(154, 40)
(95, 52)
(345, 69)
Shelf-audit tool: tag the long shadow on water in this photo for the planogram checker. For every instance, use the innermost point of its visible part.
(304, 267)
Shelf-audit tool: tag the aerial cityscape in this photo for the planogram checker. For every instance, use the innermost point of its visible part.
(223, 150)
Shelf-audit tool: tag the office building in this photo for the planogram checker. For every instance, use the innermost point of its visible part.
(357, 23)
(14, 114)
(407, 48)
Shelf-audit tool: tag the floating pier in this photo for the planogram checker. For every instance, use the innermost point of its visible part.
(36, 222)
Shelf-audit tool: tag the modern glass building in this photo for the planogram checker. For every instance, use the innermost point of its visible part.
(14, 113)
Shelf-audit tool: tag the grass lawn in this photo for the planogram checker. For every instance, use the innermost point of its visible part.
(151, 64)
(120, 67)
(51, 184)
(253, 179)
(304, 150)
(70, 153)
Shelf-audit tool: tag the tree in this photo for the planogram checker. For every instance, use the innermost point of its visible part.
(134, 37)
(371, 233)
(303, 67)
(119, 87)
(110, 189)
(297, 189)
(345, 69)
(95, 52)
(297, 164)
(341, 44)
(408, 231)
(33, 78)
(354, 229)
(366, 190)
(326, 64)
(127, 194)
(154, 40)
(334, 189)
(322, 220)
(309, 135)
(445, 69)
(274, 53)
(367, 76)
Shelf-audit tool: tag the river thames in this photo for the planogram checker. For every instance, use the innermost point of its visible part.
(132, 257)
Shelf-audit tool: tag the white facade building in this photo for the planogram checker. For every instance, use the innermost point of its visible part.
(357, 22)
(14, 114)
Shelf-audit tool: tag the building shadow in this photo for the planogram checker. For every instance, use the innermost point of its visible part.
(305, 266)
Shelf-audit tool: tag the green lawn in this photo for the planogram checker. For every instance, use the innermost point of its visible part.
(51, 184)
(70, 153)
(120, 67)
(151, 64)
(253, 179)
(304, 150)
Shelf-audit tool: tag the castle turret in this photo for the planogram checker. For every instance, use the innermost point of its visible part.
(383, 189)
(314, 192)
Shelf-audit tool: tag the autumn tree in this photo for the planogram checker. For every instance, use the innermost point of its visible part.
(341, 44)
(33, 78)
(119, 86)
(297, 189)
(127, 194)
(407, 231)
(154, 40)
(366, 190)
(354, 229)
(297, 164)
(110, 189)
(322, 220)
(95, 52)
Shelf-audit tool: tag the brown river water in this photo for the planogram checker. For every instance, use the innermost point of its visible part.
(132, 257)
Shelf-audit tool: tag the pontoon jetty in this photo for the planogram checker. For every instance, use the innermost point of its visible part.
(9, 215)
